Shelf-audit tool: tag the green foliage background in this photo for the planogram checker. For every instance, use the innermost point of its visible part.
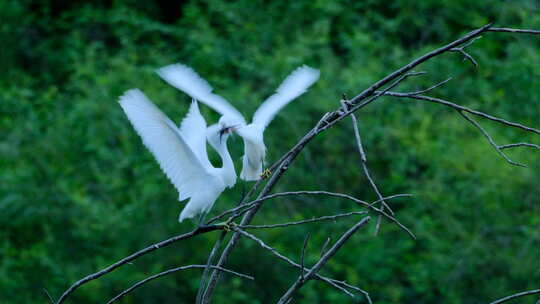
(79, 191)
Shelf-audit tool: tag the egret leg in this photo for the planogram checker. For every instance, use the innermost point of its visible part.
(266, 173)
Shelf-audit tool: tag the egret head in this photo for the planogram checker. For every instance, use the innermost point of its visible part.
(217, 135)
(228, 125)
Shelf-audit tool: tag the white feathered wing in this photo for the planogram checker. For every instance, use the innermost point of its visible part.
(293, 86)
(190, 176)
(187, 80)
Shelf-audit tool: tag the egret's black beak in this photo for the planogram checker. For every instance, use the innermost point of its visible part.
(226, 130)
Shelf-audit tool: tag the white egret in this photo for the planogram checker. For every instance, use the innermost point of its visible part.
(186, 79)
(181, 152)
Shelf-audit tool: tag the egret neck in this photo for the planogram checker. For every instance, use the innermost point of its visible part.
(219, 143)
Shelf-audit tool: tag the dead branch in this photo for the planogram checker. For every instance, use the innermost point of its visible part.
(363, 159)
(167, 242)
(464, 109)
(490, 139)
(521, 144)
(517, 295)
(173, 270)
(313, 220)
(513, 31)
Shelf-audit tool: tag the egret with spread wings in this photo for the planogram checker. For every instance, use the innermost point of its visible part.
(181, 152)
(186, 79)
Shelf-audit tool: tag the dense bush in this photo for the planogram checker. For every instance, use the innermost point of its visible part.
(79, 191)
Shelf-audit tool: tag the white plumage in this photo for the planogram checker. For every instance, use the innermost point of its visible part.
(186, 79)
(181, 153)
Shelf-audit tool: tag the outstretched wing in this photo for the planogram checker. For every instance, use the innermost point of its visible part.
(293, 86)
(164, 140)
(193, 130)
(187, 80)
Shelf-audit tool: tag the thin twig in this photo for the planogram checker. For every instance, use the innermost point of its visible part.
(325, 245)
(164, 273)
(322, 261)
(317, 219)
(306, 240)
(197, 231)
(517, 295)
(48, 295)
(465, 109)
(345, 284)
(511, 30)
(349, 107)
(490, 139)
(359, 145)
(365, 168)
(433, 87)
(462, 51)
(521, 144)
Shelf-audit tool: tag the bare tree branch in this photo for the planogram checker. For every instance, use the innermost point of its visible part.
(48, 295)
(363, 159)
(306, 240)
(173, 270)
(313, 220)
(514, 31)
(471, 35)
(517, 295)
(521, 144)
(490, 139)
(347, 107)
(433, 87)
(322, 261)
(462, 51)
(465, 109)
(197, 231)
(325, 246)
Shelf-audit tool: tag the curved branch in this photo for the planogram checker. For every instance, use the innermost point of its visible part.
(517, 295)
(521, 144)
(88, 278)
(490, 139)
(166, 272)
(511, 30)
